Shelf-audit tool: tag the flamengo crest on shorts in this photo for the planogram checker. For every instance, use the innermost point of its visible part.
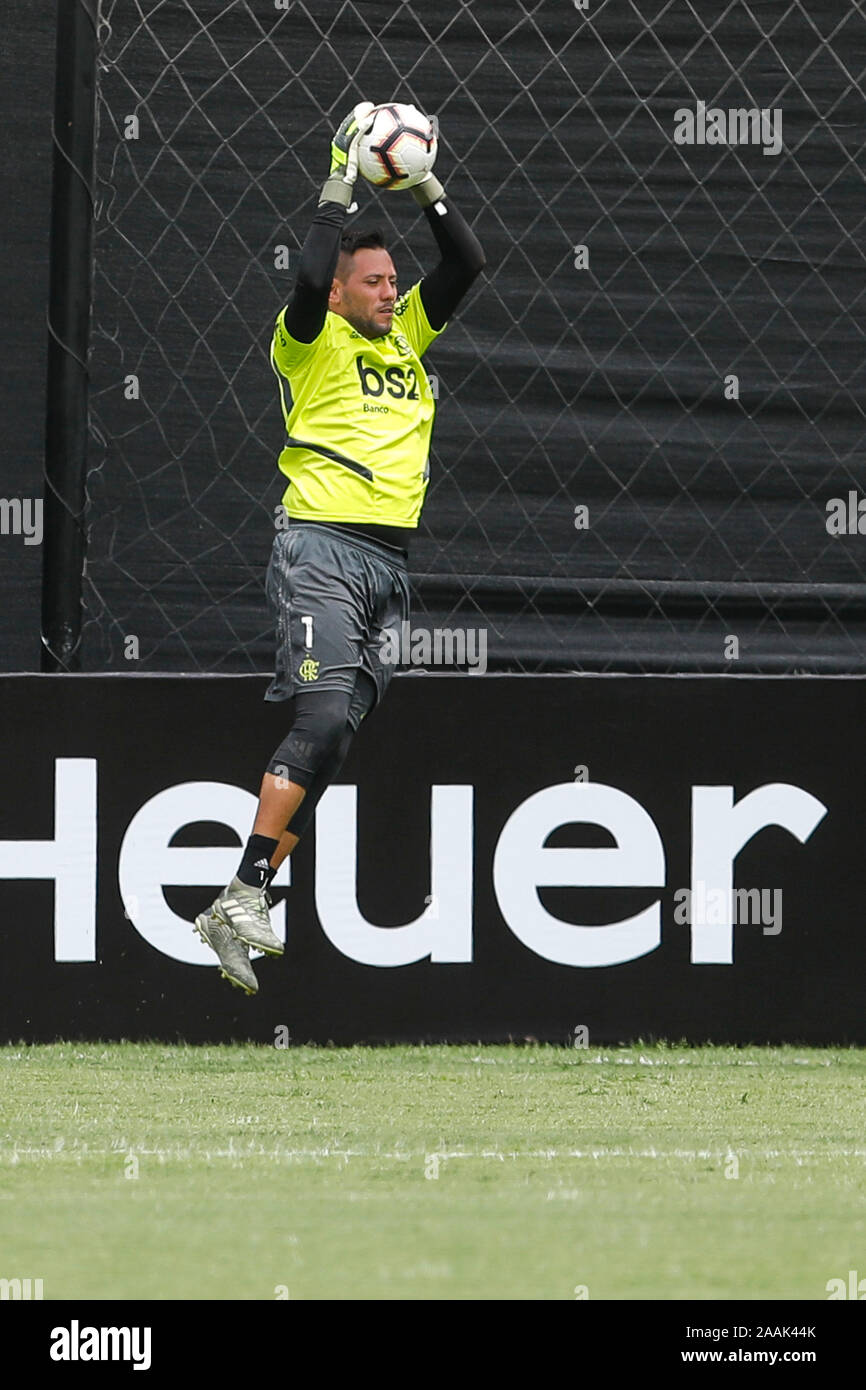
(334, 598)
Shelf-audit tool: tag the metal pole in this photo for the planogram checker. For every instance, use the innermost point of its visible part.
(68, 330)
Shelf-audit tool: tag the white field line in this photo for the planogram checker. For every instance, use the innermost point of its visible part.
(82, 1151)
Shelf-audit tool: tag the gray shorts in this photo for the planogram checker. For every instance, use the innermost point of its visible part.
(333, 595)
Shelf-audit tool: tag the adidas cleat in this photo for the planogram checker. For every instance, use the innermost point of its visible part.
(233, 957)
(245, 911)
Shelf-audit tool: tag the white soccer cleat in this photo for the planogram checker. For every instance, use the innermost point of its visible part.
(244, 910)
(234, 958)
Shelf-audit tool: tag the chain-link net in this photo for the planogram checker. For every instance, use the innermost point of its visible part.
(645, 409)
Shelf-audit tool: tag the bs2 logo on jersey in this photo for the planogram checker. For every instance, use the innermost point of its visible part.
(401, 381)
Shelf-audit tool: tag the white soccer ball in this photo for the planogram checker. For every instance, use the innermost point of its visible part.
(399, 149)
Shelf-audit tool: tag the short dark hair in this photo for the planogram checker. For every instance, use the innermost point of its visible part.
(359, 240)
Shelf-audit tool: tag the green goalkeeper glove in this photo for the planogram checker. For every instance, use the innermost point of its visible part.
(344, 155)
(428, 191)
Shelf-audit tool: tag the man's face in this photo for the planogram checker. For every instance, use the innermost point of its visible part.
(368, 294)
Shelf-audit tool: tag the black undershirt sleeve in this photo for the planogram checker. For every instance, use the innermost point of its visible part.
(462, 262)
(308, 306)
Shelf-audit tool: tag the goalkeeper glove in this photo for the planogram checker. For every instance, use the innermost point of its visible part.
(344, 155)
(428, 191)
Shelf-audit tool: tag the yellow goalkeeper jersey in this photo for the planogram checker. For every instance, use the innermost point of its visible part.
(359, 416)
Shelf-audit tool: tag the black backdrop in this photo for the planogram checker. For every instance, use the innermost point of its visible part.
(558, 387)
(26, 102)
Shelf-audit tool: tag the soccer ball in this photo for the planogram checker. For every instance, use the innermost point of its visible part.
(399, 149)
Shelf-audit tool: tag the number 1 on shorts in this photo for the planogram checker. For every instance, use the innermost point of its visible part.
(308, 629)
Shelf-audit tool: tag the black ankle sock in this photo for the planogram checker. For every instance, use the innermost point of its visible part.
(255, 866)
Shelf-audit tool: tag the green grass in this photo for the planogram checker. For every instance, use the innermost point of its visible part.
(640, 1173)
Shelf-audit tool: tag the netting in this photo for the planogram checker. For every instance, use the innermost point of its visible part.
(646, 407)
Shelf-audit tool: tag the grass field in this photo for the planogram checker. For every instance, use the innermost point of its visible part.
(151, 1171)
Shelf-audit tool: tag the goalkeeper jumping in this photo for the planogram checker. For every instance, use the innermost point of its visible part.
(359, 415)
